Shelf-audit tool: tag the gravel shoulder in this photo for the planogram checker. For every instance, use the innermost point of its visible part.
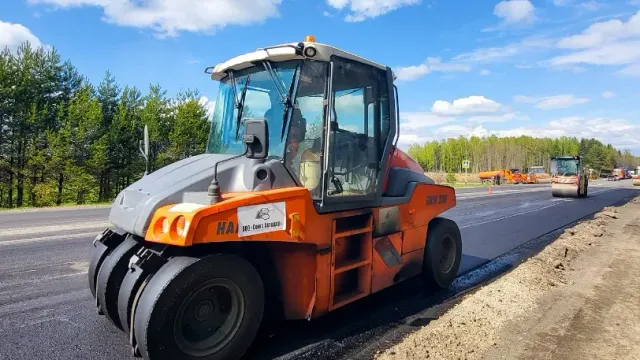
(576, 299)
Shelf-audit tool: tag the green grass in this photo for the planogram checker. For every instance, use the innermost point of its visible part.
(63, 206)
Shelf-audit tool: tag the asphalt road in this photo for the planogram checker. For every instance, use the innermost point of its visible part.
(46, 310)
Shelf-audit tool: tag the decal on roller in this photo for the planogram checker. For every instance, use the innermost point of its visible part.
(263, 218)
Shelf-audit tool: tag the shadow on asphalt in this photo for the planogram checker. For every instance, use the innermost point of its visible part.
(362, 328)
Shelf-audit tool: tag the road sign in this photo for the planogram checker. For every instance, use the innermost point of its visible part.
(465, 164)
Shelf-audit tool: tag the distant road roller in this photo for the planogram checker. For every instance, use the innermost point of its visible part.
(280, 218)
(568, 177)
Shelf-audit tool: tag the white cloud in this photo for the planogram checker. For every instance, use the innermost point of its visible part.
(591, 5)
(420, 120)
(566, 123)
(631, 70)
(500, 118)
(360, 10)
(169, 17)
(568, 67)
(436, 64)
(515, 11)
(552, 102)
(467, 106)
(562, 2)
(412, 72)
(613, 42)
(13, 35)
(618, 132)
(485, 72)
(432, 64)
(493, 54)
(406, 139)
(603, 32)
(561, 102)
(619, 53)
(608, 94)
(209, 105)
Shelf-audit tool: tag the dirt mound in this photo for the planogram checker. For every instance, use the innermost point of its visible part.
(474, 324)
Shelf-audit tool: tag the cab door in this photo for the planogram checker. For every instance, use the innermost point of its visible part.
(358, 134)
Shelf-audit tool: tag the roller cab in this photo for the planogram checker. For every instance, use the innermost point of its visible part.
(302, 204)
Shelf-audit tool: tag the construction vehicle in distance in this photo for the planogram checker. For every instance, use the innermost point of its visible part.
(617, 174)
(537, 175)
(498, 177)
(636, 180)
(568, 177)
(280, 218)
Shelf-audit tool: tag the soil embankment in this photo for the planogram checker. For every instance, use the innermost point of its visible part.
(579, 298)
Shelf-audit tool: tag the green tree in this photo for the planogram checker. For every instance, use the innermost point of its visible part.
(190, 129)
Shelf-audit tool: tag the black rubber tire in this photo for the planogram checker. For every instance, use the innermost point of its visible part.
(127, 294)
(156, 313)
(100, 252)
(442, 235)
(586, 191)
(110, 276)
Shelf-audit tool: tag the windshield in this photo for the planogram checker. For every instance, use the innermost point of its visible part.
(535, 170)
(262, 100)
(564, 167)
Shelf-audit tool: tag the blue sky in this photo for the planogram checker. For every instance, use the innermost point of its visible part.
(464, 67)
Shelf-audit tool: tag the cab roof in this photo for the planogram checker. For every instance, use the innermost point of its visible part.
(565, 158)
(285, 52)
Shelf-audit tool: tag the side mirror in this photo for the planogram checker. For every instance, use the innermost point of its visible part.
(144, 148)
(256, 138)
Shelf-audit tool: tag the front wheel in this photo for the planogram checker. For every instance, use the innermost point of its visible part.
(585, 189)
(206, 309)
(442, 253)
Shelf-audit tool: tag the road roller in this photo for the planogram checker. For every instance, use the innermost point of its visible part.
(568, 177)
(282, 218)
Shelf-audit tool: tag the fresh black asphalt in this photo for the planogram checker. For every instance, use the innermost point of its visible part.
(46, 309)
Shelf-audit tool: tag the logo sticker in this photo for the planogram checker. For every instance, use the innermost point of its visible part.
(261, 218)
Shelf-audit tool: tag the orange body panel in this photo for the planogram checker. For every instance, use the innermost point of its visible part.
(385, 276)
(319, 266)
(486, 175)
(413, 239)
(400, 159)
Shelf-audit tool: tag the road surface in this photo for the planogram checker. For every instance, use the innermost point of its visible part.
(46, 310)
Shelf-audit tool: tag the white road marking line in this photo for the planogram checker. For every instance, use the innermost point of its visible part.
(54, 228)
(556, 202)
(47, 238)
(502, 192)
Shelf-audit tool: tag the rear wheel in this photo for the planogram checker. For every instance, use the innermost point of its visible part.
(443, 252)
(208, 309)
(585, 189)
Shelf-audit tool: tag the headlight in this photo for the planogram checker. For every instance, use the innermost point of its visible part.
(181, 228)
(165, 225)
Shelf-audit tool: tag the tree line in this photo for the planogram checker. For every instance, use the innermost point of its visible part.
(64, 140)
(493, 153)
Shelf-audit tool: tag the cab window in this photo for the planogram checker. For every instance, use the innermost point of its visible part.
(359, 126)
